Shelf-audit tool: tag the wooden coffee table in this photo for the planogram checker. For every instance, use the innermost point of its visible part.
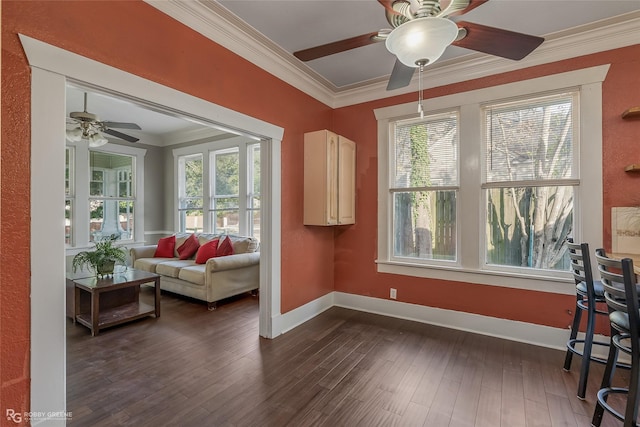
(109, 301)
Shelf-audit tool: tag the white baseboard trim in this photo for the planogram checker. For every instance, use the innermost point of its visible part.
(283, 323)
(530, 333)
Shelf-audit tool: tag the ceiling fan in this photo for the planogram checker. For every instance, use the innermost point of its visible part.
(422, 30)
(87, 126)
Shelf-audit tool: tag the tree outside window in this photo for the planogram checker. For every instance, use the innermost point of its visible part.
(225, 200)
(190, 193)
(425, 187)
(530, 179)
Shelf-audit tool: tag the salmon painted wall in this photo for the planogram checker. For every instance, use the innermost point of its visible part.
(356, 246)
(143, 41)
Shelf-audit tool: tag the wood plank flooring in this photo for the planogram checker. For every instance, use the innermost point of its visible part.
(192, 367)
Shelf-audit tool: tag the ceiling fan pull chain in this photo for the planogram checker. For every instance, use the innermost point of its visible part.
(420, 97)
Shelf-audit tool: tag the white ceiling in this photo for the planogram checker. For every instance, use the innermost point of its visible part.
(300, 24)
(157, 128)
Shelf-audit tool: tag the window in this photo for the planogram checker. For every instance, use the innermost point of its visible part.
(425, 186)
(230, 170)
(225, 191)
(69, 196)
(111, 195)
(101, 193)
(253, 193)
(530, 179)
(486, 187)
(190, 193)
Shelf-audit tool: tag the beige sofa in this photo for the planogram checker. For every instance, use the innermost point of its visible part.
(218, 278)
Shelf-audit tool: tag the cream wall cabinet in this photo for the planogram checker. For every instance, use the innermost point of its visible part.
(329, 179)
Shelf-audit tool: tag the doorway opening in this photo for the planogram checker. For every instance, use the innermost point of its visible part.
(52, 69)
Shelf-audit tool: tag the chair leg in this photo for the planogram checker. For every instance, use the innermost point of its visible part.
(586, 352)
(631, 411)
(574, 333)
(607, 379)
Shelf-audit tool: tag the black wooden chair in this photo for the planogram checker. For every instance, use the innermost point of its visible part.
(588, 294)
(621, 294)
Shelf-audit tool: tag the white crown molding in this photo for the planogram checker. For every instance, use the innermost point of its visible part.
(212, 20)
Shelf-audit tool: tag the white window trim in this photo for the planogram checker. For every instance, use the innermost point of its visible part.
(82, 169)
(588, 210)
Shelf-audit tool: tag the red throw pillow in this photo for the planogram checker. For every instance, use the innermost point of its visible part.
(165, 247)
(189, 247)
(225, 248)
(206, 251)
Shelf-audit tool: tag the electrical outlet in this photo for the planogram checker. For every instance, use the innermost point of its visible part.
(393, 293)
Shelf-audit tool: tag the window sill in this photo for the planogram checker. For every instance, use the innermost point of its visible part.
(562, 283)
(127, 244)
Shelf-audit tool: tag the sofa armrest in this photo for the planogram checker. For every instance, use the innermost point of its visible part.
(233, 262)
(146, 251)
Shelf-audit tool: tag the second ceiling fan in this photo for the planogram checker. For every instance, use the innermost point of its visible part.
(422, 30)
(83, 125)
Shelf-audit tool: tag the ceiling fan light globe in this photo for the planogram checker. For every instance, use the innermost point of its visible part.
(74, 135)
(422, 40)
(97, 140)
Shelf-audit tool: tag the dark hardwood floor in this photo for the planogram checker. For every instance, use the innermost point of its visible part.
(192, 367)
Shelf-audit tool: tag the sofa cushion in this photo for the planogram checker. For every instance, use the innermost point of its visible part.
(180, 238)
(225, 248)
(242, 244)
(165, 247)
(194, 274)
(206, 251)
(205, 238)
(149, 264)
(189, 247)
(172, 268)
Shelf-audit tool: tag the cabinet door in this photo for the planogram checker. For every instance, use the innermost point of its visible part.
(320, 178)
(346, 181)
(329, 179)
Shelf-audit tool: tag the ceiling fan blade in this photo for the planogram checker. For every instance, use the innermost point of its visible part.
(459, 7)
(120, 135)
(336, 47)
(400, 76)
(496, 41)
(121, 125)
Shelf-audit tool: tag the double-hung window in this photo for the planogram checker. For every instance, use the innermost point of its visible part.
(487, 186)
(69, 193)
(254, 193)
(190, 193)
(225, 189)
(529, 180)
(424, 174)
(111, 195)
(103, 190)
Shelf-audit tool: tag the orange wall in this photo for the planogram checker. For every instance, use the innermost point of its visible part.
(135, 37)
(356, 247)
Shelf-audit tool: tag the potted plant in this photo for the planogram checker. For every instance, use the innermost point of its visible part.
(102, 259)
